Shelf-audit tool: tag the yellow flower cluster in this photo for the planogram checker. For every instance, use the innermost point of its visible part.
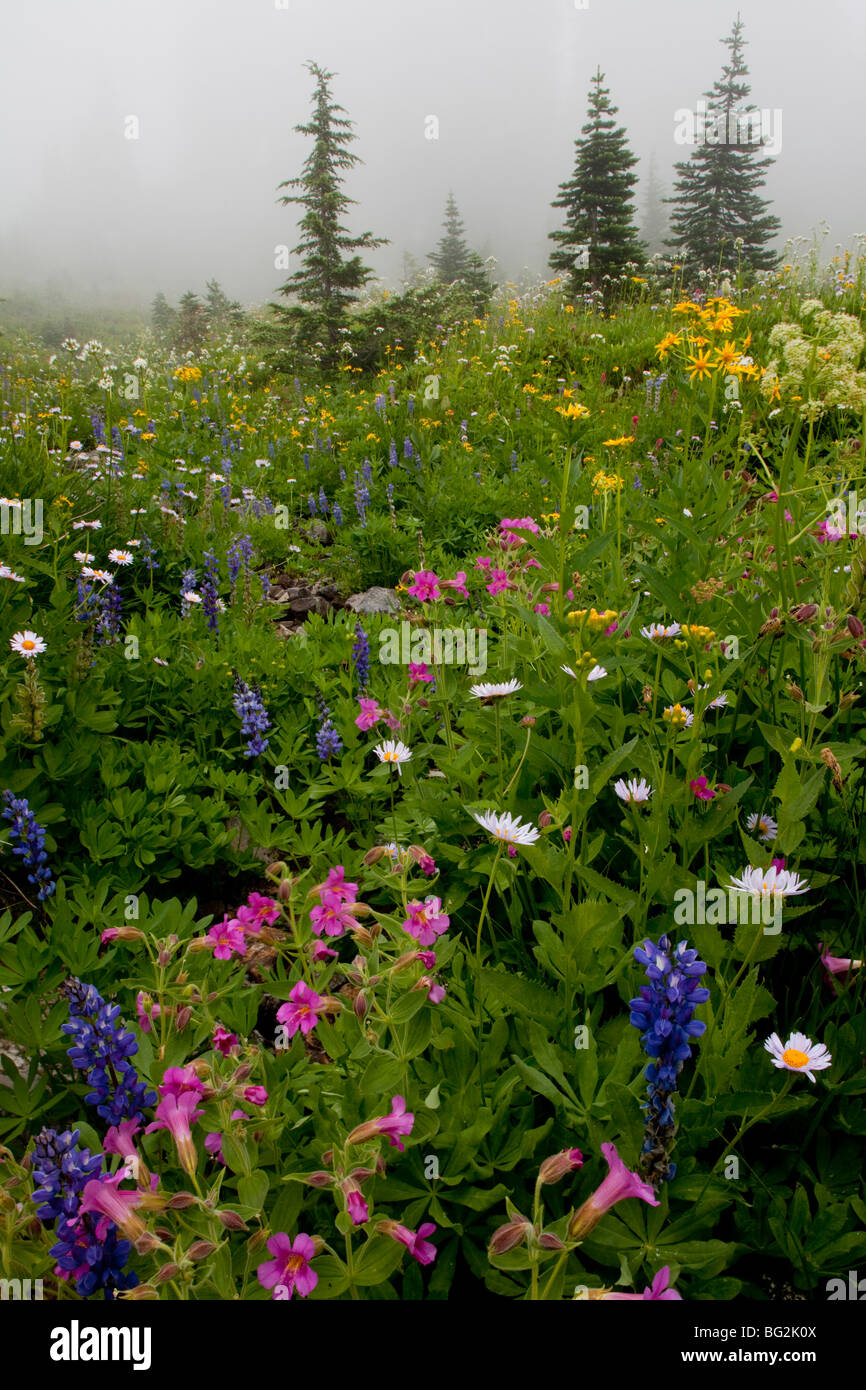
(188, 373)
(573, 411)
(596, 622)
(606, 482)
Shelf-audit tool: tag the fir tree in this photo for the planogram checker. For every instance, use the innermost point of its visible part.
(190, 327)
(331, 274)
(162, 316)
(599, 237)
(654, 223)
(454, 261)
(716, 200)
(222, 312)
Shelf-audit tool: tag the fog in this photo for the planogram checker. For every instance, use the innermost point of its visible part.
(216, 86)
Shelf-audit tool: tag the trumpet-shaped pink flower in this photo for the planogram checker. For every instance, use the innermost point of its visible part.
(227, 937)
(619, 1185)
(425, 586)
(258, 912)
(103, 1197)
(421, 1249)
(178, 1080)
(302, 1009)
(399, 1122)
(176, 1114)
(458, 583)
(499, 581)
(371, 713)
(659, 1289)
(119, 1139)
(223, 1041)
(701, 790)
(426, 921)
(290, 1269)
(332, 916)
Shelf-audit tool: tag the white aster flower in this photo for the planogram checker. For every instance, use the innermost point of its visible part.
(393, 751)
(190, 596)
(489, 690)
(656, 630)
(120, 557)
(799, 1053)
(7, 573)
(597, 673)
(769, 883)
(507, 828)
(27, 644)
(633, 791)
(764, 824)
(102, 576)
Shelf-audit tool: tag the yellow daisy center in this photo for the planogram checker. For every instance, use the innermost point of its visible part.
(28, 644)
(793, 1057)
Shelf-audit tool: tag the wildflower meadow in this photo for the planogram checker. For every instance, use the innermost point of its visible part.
(432, 800)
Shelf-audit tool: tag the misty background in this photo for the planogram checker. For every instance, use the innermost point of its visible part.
(217, 85)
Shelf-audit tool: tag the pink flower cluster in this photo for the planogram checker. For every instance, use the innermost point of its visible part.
(230, 935)
(334, 912)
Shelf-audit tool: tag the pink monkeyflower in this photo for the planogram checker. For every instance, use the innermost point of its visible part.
(483, 562)
(659, 1289)
(321, 952)
(498, 582)
(256, 1095)
(427, 959)
(109, 934)
(613, 627)
(399, 1122)
(227, 937)
(223, 1041)
(566, 834)
(392, 721)
(458, 583)
(435, 993)
(418, 673)
(258, 912)
(103, 1197)
(355, 1202)
(701, 789)
(619, 1185)
(301, 1010)
(837, 965)
(424, 586)
(176, 1114)
(290, 1268)
(542, 608)
(332, 916)
(177, 1081)
(426, 921)
(371, 713)
(119, 1140)
(422, 1250)
(525, 523)
(147, 1011)
(336, 883)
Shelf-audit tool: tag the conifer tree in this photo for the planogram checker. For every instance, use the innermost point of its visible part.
(222, 312)
(599, 237)
(190, 326)
(454, 260)
(716, 199)
(162, 316)
(654, 222)
(332, 273)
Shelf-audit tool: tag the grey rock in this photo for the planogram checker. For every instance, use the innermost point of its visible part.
(374, 600)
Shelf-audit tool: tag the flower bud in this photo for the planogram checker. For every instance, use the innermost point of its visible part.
(556, 1167)
(507, 1237)
(548, 1241)
(231, 1221)
(169, 1271)
(200, 1249)
(374, 855)
(854, 625)
(141, 1291)
(319, 1179)
(805, 612)
(146, 1243)
(276, 870)
(183, 1017)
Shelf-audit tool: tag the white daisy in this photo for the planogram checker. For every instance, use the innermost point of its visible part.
(507, 828)
(656, 630)
(120, 557)
(7, 573)
(799, 1053)
(84, 557)
(633, 791)
(719, 702)
(102, 576)
(568, 671)
(597, 673)
(393, 751)
(159, 661)
(132, 544)
(764, 824)
(489, 690)
(27, 644)
(769, 883)
(190, 596)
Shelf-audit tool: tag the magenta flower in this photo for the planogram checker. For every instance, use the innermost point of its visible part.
(290, 1268)
(119, 1138)
(418, 673)
(701, 789)
(332, 915)
(483, 562)
(103, 1197)
(147, 1011)
(427, 959)
(321, 952)
(256, 1095)
(355, 1203)
(399, 1122)
(227, 937)
(302, 1009)
(425, 586)
(223, 1041)
(422, 1250)
(336, 883)
(258, 912)
(426, 921)
(498, 582)
(542, 608)
(619, 1185)
(458, 583)
(177, 1081)
(435, 993)
(176, 1114)
(659, 1289)
(371, 713)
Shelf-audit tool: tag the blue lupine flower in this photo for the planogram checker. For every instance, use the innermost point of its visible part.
(102, 1049)
(392, 453)
(187, 586)
(60, 1170)
(407, 448)
(311, 504)
(98, 429)
(110, 613)
(147, 553)
(323, 501)
(410, 404)
(253, 716)
(328, 741)
(361, 656)
(209, 590)
(337, 514)
(664, 1013)
(27, 839)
